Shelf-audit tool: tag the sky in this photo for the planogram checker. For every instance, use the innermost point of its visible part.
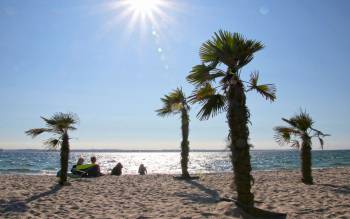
(110, 62)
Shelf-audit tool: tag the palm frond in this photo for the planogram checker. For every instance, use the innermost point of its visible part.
(320, 135)
(52, 143)
(211, 106)
(166, 110)
(37, 131)
(283, 135)
(209, 52)
(61, 121)
(173, 103)
(162, 112)
(202, 93)
(266, 90)
(229, 48)
(302, 121)
(290, 122)
(201, 74)
(321, 142)
(58, 125)
(177, 96)
(66, 119)
(295, 144)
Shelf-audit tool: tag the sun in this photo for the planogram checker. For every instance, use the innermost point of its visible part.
(143, 6)
(144, 12)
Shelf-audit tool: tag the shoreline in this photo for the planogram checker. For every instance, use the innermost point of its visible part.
(170, 174)
(161, 151)
(160, 196)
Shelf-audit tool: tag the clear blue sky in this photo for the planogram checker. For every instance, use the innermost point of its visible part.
(95, 59)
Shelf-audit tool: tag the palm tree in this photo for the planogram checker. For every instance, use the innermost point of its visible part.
(300, 129)
(59, 125)
(174, 103)
(231, 52)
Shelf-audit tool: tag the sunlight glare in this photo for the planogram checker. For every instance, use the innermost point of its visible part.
(143, 6)
(147, 18)
(143, 13)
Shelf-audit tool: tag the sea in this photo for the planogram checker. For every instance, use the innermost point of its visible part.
(43, 162)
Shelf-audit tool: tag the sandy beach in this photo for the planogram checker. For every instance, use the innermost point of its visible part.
(161, 196)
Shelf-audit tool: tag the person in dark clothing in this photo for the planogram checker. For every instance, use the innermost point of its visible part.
(117, 170)
(95, 170)
(142, 170)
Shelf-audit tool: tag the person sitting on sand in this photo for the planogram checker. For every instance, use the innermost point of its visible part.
(142, 170)
(95, 170)
(74, 169)
(117, 170)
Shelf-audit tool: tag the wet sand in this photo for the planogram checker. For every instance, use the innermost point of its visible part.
(161, 196)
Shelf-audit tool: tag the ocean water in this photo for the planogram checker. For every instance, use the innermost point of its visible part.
(47, 162)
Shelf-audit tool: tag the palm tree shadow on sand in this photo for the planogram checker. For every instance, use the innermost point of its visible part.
(338, 189)
(211, 196)
(20, 206)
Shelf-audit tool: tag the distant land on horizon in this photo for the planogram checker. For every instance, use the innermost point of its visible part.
(116, 150)
(159, 150)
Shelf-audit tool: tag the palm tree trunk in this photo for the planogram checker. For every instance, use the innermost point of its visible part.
(184, 143)
(306, 160)
(64, 158)
(238, 118)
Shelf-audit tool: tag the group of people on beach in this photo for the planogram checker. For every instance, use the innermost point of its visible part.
(93, 169)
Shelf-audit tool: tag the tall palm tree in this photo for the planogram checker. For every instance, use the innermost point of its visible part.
(300, 129)
(223, 57)
(58, 125)
(175, 103)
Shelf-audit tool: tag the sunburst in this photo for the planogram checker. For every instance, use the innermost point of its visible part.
(143, 13)
(144, 7)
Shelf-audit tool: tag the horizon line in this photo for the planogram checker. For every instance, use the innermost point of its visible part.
(157, 150)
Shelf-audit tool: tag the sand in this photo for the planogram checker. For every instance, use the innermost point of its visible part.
(161, 196)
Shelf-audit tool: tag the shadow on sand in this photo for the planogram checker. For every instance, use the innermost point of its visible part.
(21, 205)
(338, 189)
(186, 178)
(211, 196)
(255, 213)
